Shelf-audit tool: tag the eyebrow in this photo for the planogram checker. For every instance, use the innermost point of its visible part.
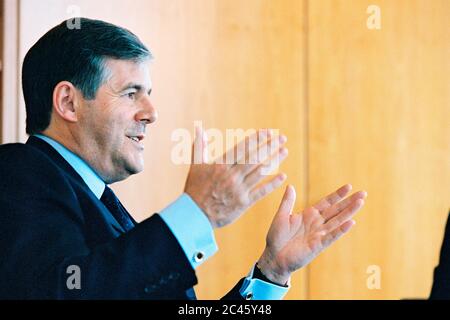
(135, 86)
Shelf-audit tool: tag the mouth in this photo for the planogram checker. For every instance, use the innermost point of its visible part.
(137, 139)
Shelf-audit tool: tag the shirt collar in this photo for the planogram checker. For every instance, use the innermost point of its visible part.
(90, 177)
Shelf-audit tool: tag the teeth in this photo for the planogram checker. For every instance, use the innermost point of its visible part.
(134, 139)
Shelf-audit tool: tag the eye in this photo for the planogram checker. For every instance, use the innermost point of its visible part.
(131, 95)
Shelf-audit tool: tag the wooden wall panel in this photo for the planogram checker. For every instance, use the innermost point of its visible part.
(379, 113)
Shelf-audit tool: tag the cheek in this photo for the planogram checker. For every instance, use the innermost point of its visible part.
(109, 137)
(95, 119)
(111, 125)
(115, 127)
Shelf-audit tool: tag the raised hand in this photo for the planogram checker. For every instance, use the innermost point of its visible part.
(294, 240)
(225, 190)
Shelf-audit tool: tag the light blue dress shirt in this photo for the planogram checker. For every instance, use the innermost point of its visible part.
(181, 216)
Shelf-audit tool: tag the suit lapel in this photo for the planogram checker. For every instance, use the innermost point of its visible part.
(60, 162)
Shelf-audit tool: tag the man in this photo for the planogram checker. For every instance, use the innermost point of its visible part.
(87, 94)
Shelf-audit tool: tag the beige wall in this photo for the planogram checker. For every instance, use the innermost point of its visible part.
(363, 106)
(379, 113)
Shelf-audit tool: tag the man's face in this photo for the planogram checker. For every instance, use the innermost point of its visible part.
(112, 126)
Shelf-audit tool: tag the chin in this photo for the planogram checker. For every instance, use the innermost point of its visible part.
(136, 170)
(136, 167)
(124, 173)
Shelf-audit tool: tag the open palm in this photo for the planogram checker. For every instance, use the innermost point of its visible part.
(294, 240)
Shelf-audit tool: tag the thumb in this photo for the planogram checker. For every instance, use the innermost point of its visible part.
(287, 203)
(199, 147)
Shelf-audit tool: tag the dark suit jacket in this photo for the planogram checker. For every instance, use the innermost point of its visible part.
(50, 220)
(441, 282)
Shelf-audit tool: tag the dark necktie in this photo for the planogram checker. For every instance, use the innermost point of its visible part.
(114, 206)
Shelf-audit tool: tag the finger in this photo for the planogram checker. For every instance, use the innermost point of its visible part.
(261, 170)
(344, 216)
(288, 202)
(251, 146)
(261, 152)
(334, 197)
(272, 164)
(197, 146)
(231, 156)
(334, 235)
(268, 187)
(205, 147)
(341, 205)
(257, 157)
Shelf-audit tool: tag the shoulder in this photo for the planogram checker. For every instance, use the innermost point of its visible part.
(20, 154)
(24, 166)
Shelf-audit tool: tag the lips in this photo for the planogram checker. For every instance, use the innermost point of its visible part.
(136, 138)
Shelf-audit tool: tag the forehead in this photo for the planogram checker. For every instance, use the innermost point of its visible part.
(122, 72)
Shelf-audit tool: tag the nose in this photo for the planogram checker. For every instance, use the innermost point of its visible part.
(147, 112)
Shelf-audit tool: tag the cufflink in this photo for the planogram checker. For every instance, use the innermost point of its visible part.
(249, 296)
(199, 256)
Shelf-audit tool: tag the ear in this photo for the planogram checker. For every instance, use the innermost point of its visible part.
(65, 101)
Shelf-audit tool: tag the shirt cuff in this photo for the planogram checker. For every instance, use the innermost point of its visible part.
(191, 228)
(257, 289)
